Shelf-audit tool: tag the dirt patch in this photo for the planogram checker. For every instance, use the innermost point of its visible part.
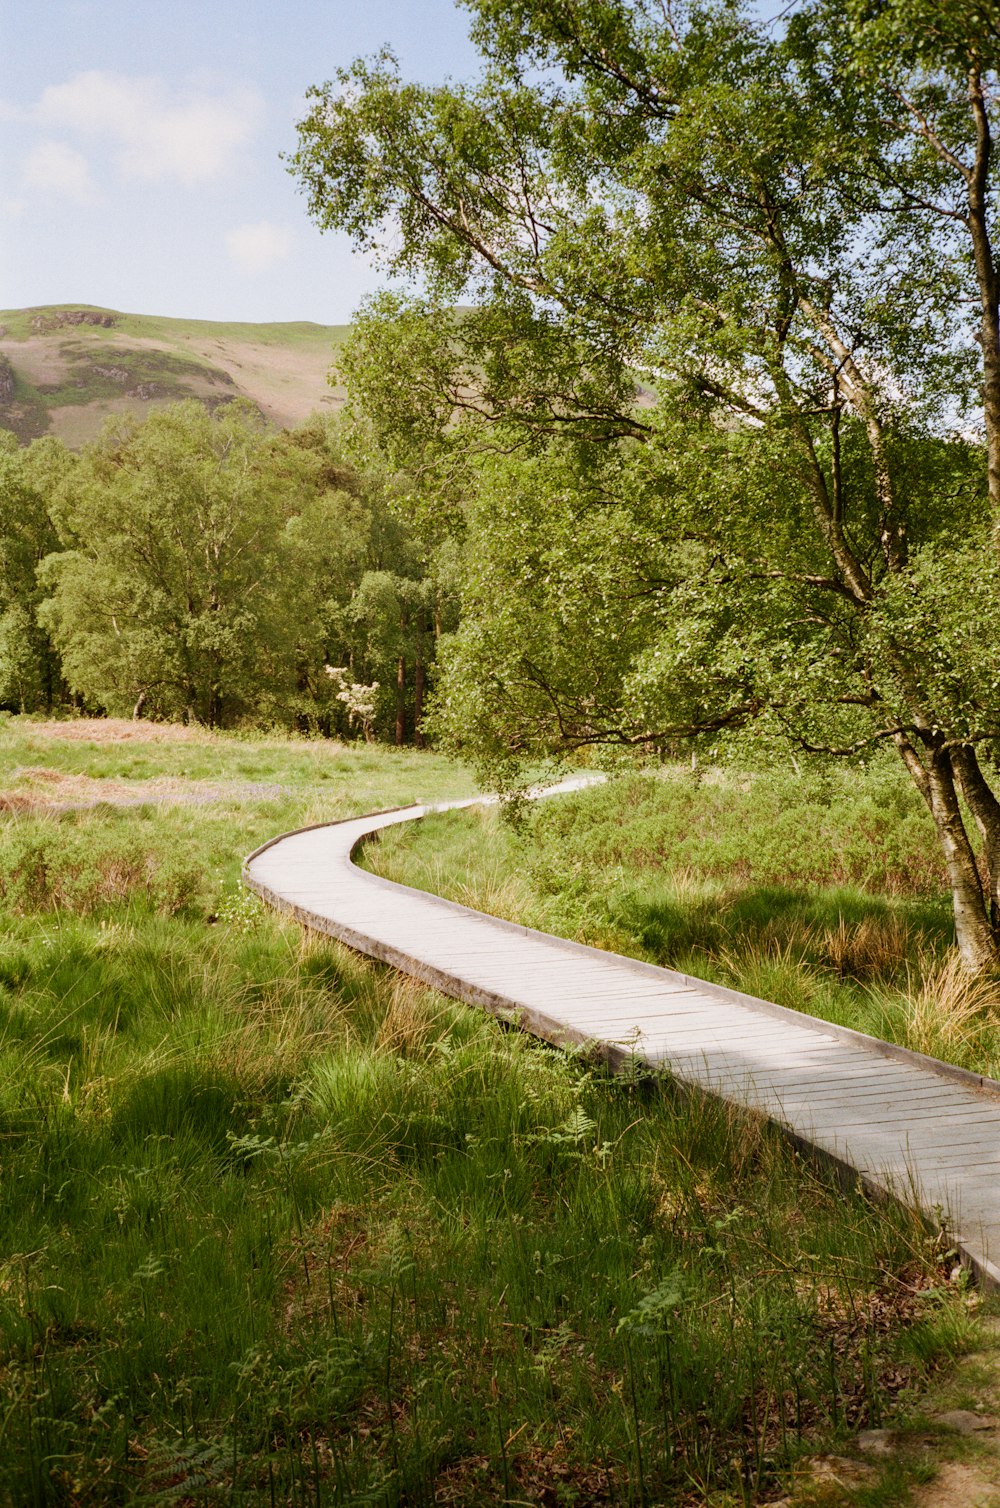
(948, 1457)
(959, 1484)
(287, 383)
(966, 1454)
(115, 730)
(39, 361)
(36, 789)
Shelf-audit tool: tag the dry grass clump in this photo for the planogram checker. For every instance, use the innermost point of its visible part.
(39, 789)
(410, 1019)
(770, 971)
(277, 1035)
(952, 1013)
(819, 934)
(876, 946)
(496, 891)
(18, 803)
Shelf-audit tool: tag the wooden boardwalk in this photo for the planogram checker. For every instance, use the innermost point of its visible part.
(908, 1125)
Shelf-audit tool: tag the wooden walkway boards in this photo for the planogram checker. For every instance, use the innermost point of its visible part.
(910, 1126)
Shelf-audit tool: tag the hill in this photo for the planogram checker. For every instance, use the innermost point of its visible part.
(65, 368)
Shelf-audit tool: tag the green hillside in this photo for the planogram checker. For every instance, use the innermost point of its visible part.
(65, 368)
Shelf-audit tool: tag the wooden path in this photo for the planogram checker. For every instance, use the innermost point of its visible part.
(911, 1126)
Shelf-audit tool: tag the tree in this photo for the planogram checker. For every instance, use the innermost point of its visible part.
(786, 238)
(214, 571)
(29, 670)
(376, 593)
(392, 619)
(169, 597)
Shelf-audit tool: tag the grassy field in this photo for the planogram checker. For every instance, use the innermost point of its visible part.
(824, 892)
(277, 1226)
(72, 370)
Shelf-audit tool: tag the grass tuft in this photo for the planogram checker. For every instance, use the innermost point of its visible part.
(947, 1012)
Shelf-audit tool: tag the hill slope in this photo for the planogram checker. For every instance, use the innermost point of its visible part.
(65, 368)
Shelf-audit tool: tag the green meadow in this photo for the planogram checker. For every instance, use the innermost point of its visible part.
(278, 1226)
(21, 324)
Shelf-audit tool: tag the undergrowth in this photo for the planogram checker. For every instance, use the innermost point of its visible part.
(273, 1220)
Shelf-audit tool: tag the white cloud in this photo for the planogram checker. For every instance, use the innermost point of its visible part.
(60, 169)
(190, 135)
(14, 208)
(256, 248)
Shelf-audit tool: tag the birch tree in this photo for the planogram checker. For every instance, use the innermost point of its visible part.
(738, 284)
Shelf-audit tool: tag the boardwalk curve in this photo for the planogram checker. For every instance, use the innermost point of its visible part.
(910, 1126)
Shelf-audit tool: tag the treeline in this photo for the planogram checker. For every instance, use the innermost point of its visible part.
(193, 566)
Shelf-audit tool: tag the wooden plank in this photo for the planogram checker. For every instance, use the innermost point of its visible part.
(875, 1096)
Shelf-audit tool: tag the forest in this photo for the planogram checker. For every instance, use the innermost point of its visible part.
(195, 567)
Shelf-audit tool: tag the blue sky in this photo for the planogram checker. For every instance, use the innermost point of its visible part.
(139, 165)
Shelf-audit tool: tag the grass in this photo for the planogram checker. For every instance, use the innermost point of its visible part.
(824, 893)
(20, 325)
(277, 1226)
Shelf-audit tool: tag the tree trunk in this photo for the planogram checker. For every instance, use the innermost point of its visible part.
(985, 809)
(401, 700)
(978, 198)
(48, 675)
(976, 939)
(139, 705)
(418, 684)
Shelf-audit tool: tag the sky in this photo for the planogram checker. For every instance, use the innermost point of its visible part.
(140, 162)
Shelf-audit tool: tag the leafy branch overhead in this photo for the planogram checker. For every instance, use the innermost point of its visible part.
(706, 354)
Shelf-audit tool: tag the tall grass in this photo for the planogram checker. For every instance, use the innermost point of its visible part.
(272, 1218)
(278, 1227)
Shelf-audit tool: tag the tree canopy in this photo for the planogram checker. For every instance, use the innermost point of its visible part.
(196, 565)
(708, 345)
(30, 676)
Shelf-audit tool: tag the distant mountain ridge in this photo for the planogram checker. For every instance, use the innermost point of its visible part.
(64, 368)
